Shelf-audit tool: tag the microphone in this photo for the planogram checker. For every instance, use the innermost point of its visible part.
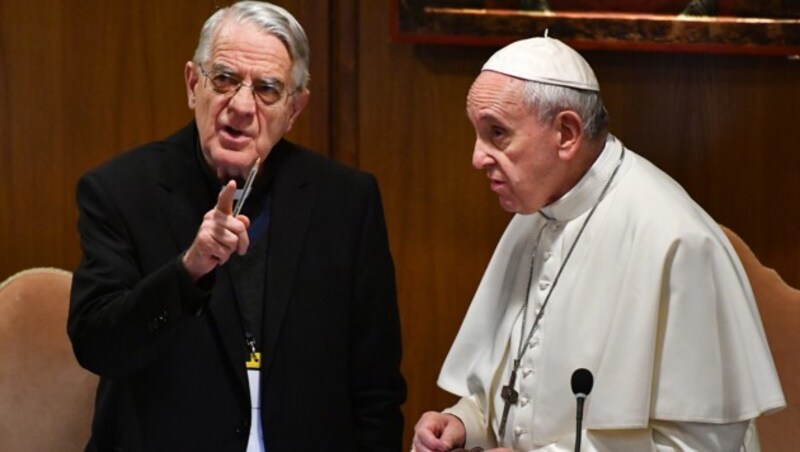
(581, 382)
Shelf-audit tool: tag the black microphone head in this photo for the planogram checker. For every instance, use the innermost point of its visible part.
(582, 382)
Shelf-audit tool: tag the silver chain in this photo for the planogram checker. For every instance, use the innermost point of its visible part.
(521, 347)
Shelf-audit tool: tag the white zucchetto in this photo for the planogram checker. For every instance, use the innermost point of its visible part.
(544, 60)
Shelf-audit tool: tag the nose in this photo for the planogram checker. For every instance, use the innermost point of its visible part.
(480, 158)
(243, 101)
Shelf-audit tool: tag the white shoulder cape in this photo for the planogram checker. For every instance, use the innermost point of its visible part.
(654, 302)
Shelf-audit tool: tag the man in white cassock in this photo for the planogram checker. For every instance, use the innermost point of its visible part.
(608, 265)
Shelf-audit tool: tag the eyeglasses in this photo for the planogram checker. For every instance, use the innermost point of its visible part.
(228, 83)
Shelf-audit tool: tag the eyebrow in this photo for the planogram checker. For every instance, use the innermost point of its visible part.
(221, 68)
(272, 81)
(487, 116)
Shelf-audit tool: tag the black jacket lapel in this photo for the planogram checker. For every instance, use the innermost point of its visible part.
(293, 203)
(188, 195)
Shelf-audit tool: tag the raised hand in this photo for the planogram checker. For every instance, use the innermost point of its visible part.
(220, 235)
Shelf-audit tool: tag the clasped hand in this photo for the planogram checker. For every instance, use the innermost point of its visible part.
(441, 432)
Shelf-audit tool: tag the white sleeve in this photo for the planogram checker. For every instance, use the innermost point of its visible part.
(479, 434)
(679, 436)
(665, 436)
(661, 436)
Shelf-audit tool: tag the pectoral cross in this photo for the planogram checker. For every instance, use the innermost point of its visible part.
(509, 396)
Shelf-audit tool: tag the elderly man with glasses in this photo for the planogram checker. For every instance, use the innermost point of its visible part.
(236, 291)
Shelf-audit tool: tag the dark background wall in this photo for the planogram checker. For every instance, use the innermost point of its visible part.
(82, 81)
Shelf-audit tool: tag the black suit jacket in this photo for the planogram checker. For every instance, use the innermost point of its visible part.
(171, 353)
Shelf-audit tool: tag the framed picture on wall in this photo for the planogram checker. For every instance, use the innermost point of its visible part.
(763, 27)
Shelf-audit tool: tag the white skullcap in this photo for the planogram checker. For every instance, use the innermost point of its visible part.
(544, 60)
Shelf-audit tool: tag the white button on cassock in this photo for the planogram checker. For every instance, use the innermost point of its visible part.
(544, 284)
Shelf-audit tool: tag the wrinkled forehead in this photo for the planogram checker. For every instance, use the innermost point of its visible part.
(248, 44)
(492, 88)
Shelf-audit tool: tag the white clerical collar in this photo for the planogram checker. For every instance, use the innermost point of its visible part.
(584, 194)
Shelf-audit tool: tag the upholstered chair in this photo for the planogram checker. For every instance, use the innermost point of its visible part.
(779, 305)
(46, 398)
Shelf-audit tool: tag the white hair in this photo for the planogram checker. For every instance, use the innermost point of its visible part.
(548, 100)
(270, 18)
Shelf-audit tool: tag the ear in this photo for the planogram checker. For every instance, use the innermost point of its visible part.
(570, 133)
(191, 78)
(299, 102)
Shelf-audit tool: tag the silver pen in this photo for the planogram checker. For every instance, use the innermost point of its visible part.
(247, 185)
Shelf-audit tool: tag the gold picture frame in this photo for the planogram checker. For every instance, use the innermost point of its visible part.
(759, 27)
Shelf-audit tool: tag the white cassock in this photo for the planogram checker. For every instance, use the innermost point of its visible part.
(653, 301)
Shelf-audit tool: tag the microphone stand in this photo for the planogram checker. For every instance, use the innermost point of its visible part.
(579, 421)
(582, 382)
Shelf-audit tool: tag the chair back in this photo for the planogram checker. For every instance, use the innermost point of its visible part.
(46, 398)
(779, 305)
